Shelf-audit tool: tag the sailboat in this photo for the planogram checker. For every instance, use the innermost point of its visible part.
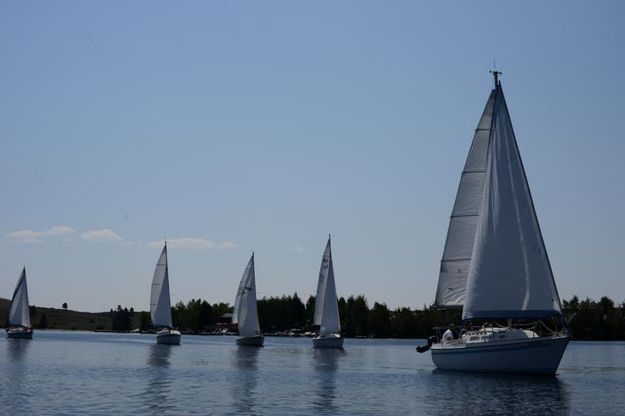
(326, 306)
(246, 310)
(495, 265)
(160, 303)
(19, 313)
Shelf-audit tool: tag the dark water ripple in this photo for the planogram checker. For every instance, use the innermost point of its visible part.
(62, 373)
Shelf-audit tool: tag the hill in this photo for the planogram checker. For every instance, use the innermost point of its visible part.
(63, 318)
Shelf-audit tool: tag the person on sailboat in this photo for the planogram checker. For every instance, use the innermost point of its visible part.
(449, 334)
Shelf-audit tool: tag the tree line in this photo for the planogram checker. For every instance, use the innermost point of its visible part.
(588, 320)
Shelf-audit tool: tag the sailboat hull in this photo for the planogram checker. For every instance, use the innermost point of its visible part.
(535, 355)
(255, 341)
(20, 333)
(168, 337)
(328, 341)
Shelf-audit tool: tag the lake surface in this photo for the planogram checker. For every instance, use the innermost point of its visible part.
(99, 373)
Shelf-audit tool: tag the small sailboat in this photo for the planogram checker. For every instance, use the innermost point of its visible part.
(326, 306)
(160, 303)
(19, 313)
(495, 265)
(246, 310)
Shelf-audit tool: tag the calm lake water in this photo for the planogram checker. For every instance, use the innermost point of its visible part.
(99, 373)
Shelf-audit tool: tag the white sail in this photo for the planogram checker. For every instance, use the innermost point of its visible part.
(510, 275)
(160, 304)
(452, 279)
(326, 304)
(245, 306)
(19, 314)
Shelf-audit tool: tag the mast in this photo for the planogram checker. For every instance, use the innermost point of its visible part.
(496, 77)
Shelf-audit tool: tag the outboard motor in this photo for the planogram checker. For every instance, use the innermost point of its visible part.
(424, 348)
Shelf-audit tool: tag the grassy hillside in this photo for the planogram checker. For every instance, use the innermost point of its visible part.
(64, 319)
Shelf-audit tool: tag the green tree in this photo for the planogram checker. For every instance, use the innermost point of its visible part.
(403, 323)
(121, 318)
(359, 315)
(297, 311)
(310, 310)
(145, 321)
(380, 320)
(206, 314)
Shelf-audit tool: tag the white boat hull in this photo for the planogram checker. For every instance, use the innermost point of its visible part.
(533, 355)
(19, 333)
(168, 337)
(328, 341)
(255, 341)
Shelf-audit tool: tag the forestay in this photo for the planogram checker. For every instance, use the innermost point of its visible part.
(456, 259)
(160, 304)
(19, 314)
(326, 304)
(510, 275)
(245, 306)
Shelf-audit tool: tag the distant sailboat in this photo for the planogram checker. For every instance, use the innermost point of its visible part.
(326, 306)
(495, 266)
(160, 304)
(19, 313)
(246, 309)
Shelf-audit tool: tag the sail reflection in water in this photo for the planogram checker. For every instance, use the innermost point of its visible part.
(15, 381)
(158, 390)
(479, 394)
(326, 365)
(17, 350)
(245, 359)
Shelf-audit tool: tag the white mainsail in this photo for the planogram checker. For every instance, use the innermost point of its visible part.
(160, 304)
(326, 304)
(456, 259)
(19, 314)
(510, 275)
(245, 307)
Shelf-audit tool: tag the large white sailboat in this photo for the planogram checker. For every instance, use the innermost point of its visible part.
(19, 313)
(246, 309)
(160, 303)
(495, 265)
(326, 306)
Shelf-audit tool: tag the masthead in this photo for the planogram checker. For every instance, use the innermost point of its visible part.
(496, 76)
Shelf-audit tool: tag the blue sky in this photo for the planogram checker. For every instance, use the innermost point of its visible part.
(228, 127)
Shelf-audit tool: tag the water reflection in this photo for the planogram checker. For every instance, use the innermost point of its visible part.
(244, 387)
(159, 355)
(18, 349)
(158, 389)
(325, 363)
(478, 394)
(15, 381)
